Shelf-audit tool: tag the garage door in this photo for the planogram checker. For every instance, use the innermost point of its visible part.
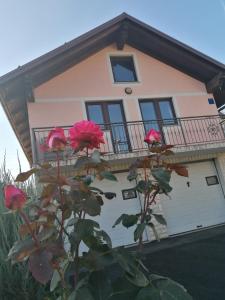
(195, 202)
(112, 209)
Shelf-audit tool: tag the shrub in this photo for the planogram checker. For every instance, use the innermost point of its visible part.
(15, 280)
(61, 219)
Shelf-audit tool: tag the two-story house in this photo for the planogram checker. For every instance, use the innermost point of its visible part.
(129, 77)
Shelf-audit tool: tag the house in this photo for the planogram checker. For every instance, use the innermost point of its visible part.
(130, 77)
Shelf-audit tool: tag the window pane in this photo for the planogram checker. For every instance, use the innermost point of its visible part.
(95, 113)
(123, 69)
(149, 115)
(118, 130)
(115, 113)
(166, 112)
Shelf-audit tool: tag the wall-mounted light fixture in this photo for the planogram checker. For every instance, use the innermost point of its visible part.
(128, 90)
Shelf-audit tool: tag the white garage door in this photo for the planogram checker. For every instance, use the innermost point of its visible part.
(194, 204)
(112, 209)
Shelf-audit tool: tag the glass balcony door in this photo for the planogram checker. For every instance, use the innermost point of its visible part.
(157, 113)
(110, 116)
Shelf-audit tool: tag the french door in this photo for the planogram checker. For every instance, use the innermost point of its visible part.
(157, 113)
(110, 116)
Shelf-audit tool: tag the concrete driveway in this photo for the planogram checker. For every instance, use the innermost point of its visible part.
(196, 260)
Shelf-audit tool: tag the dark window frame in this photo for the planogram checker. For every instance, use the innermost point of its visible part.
(156, 105)
(105, 113)
(207, 178)
(134, 66)
(128, 198)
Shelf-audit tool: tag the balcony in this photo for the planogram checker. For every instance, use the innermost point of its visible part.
(126, 140)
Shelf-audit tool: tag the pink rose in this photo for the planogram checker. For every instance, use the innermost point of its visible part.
(56, 139)
(152, 136)
(85, 134)
(15, 198)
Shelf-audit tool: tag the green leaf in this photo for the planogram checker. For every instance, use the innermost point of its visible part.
(108, 175)
(123, 289)
(84, 229)
(129, 220)
(101, 285)
(40, 266)
(21, 249)
(55, 280)
(94, 189)
(110, 195)
(91, 205)
(143, 186)
(163, 176)
(87, 226)
(46, 233)
(100, 200)
(132, 267)
(179, 169)
(81, 162)
(25, 175)
(72, 222)
(118, 221)
(132, 174)
(104, 235)
(160, 219)
(149, 293)
(169, 289)
(98, 259)
(95, 157)
(88, 179)
(48, 190)
(139, 231)
(139, 279)
(81, 294)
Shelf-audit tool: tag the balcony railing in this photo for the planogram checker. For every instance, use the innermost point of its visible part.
(121, 138)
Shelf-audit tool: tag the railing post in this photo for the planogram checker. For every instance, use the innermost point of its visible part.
(182, 130)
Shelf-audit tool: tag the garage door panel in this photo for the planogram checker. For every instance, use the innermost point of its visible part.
(193, 203)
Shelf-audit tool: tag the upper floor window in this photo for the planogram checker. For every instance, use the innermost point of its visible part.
(157, 112)
(123, 69)
(110, 115)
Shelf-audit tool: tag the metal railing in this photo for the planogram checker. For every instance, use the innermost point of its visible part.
(129, 137)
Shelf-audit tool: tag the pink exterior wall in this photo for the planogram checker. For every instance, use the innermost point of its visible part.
(60, 101)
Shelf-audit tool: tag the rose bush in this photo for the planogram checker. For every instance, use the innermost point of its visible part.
(152, 136)
(56, 139)
(15, 198)
(86, 134)
(62, 219)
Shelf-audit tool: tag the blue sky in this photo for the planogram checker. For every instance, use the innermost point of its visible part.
(30, 28)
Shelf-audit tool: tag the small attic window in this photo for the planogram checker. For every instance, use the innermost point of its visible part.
(211, 101)
(123, 69)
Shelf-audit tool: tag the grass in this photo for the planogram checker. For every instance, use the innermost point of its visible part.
(15, 280)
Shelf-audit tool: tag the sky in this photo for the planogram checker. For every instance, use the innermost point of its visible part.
(30, 28)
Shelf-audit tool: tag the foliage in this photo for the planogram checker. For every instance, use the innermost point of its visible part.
(61, 221)
(152, 175)
(15, 280)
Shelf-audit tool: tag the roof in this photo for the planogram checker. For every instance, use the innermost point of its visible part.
(16, 87)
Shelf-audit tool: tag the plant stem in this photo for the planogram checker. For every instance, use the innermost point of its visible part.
(76, 257)
(26, 220)
(59, 222)
(60, 194)
(148, 204)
